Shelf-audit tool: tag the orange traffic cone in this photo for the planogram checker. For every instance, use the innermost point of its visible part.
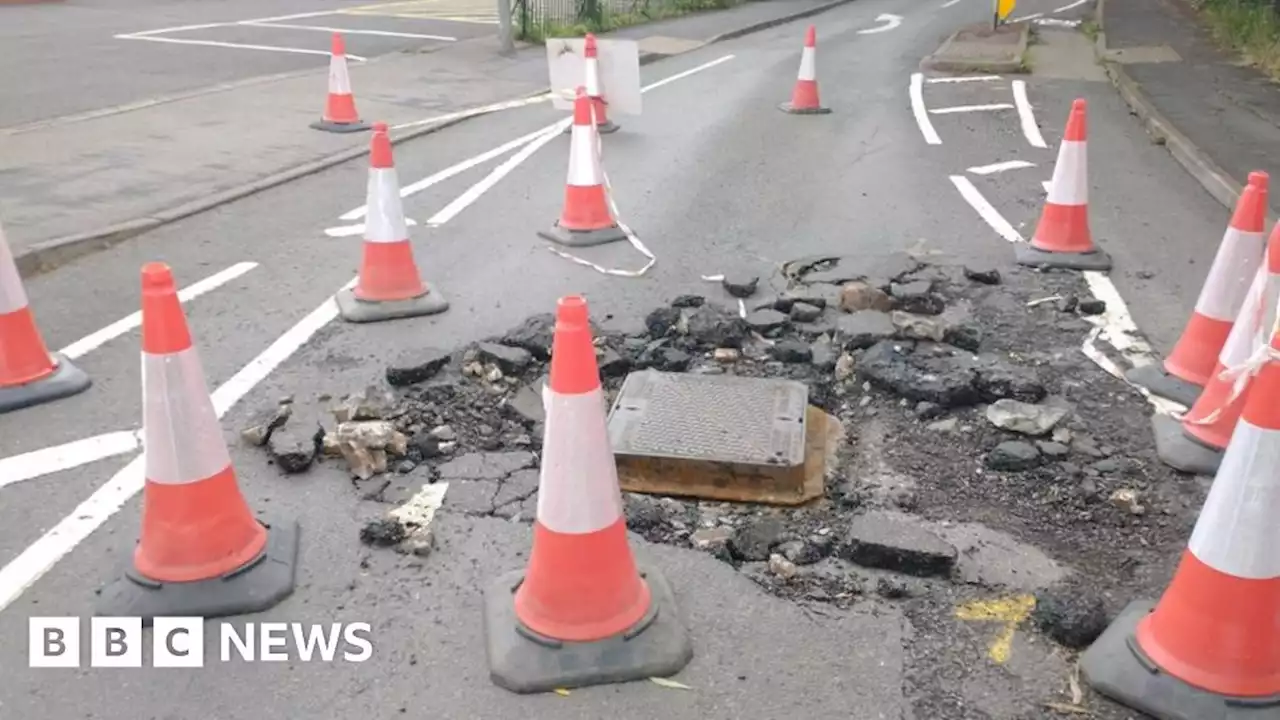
(585, 219)
(29, 375)
(1189, 366)
(1062, 238)
(804, 97)
(582, 613)
(591, 71)
(1211, 647)
(340, 114)
(201, 550)
(1195, 444)
(389, 286)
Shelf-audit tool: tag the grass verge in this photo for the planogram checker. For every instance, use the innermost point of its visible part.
(1251, 27)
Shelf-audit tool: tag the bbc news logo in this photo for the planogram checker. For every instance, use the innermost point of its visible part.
(179, 642)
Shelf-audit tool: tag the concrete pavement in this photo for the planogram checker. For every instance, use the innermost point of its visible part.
(715, 180)
(1218, 116)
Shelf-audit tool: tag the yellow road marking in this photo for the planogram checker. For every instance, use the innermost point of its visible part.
(1009, 611)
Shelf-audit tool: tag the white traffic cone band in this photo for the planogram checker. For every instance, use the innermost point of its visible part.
(339, 79)
(1237, 532)
(584, 164)
(12, 295)
(578, 487)
(182, 438)
(593, 78)
(1070, 183)
(384, 220)
(808, 64)
(1239, 257)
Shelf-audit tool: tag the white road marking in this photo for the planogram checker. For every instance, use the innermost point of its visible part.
(1029, 127)
(486, 183)
(963, 78)
(423, 184)
(93, 341)
(1056, 22)
(917, 109)
(297, 16)
(985, 209)
(1115, 326)
(1000, 167)
(50, 460)
(971, 108)
(38, 558)
(1025, 18)
(1077, 3)
(482, 110)
(180, 28)
(346, 31)
(890, 21)
(357, 229)
(240, 46)
(949, 3)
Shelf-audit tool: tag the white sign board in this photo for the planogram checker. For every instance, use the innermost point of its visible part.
(619, 62)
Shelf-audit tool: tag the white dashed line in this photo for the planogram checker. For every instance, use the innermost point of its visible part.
(1077, 3)
(972, 108)
(1000, 167)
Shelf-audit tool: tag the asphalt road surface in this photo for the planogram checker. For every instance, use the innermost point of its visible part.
(714, 179)
(71, 58)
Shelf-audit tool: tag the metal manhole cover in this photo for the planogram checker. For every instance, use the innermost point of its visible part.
(715, 418)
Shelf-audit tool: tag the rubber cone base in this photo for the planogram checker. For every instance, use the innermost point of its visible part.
(582, 238)
(1180, 451)
(1155, 379)
(1033, 257)
(258, 586)
(523, 662)
(604, 129)
(787, 107)
(1116, 667)
(355, 310)
(66, 380)
(334, 127)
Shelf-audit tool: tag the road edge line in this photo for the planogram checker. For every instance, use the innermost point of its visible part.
(51, 254)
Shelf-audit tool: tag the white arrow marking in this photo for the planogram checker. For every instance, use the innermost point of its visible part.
(357, 229)
(890, 22)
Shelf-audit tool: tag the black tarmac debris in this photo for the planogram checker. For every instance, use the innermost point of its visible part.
(908, 356)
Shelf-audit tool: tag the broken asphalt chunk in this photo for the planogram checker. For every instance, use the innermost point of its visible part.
(1013, 456)
(293, 451)
(510, 360)
(864, 328)
(416, 366)
(715, 327)
(985, 276)
(892, 542)
(740, 286)
(1072, 615)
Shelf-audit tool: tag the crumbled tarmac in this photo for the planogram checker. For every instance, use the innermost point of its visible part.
(979, 439)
